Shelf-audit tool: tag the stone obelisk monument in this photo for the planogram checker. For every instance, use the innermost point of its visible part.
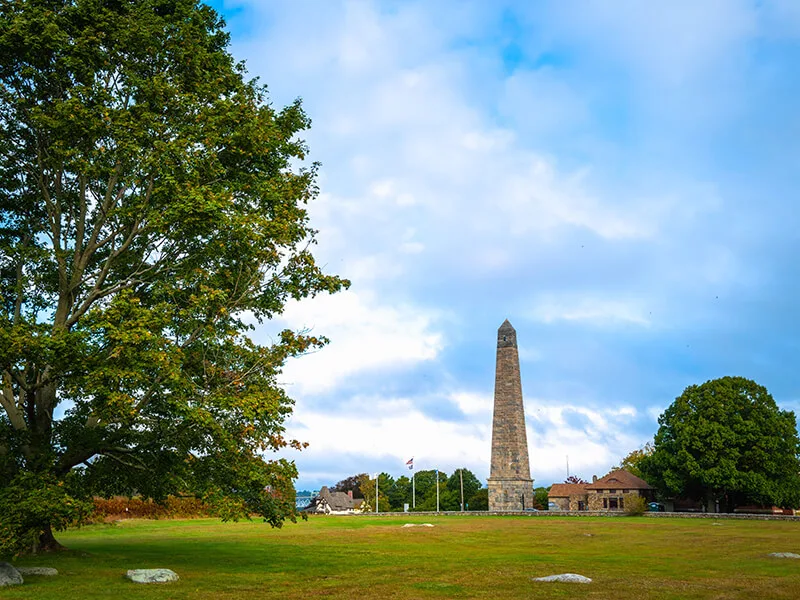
(510, 483)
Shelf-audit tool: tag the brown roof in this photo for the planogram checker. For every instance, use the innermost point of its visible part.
(565, 490)
(336, 500)
(620, 479)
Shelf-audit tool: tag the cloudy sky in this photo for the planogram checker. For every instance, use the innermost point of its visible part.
(618, 179)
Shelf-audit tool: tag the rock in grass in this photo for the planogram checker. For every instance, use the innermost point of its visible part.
(9, 575)
(46, 571)
(784, 555)
(565, 578)
(418, 525)
(151, 575)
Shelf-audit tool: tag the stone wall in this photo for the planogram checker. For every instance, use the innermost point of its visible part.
(510, 494)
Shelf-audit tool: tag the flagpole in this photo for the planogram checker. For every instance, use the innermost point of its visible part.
(461, 475)
(437, 490)
(413, 491)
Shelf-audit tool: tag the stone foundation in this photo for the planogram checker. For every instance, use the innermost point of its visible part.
(510, 494)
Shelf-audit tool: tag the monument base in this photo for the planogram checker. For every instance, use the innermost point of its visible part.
(510, 494)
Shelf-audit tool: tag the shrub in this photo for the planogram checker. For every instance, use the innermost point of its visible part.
(121, 507)
(635, 506)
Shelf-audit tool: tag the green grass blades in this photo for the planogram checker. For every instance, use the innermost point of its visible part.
(460, 557)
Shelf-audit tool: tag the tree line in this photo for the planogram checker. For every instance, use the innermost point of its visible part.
(395, 493)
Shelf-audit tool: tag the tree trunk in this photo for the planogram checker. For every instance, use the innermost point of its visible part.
(48, 542)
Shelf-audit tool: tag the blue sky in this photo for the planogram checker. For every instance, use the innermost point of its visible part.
(618, 179)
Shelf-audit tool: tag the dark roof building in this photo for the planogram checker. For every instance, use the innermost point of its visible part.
(328, 502)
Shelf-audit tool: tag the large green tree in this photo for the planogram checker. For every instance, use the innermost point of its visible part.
(152, 207)
(400, 493)
(425, 484)
(471, 485)
(727, 442)
(367, 486)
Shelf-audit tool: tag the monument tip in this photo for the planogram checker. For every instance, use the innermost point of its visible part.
(506, 325)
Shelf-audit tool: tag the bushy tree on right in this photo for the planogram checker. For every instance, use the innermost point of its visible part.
(727, 443)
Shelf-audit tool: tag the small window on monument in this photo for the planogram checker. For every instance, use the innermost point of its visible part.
(504, 338)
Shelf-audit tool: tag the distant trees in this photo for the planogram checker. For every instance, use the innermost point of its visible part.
(575, 479)
(367, 486)
(426, 489)
(726, 442)
(479, 500)
(393, 494)
(400, 493)
(350, 484)
(540, 501)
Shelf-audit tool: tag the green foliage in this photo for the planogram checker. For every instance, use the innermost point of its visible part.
(635, 505)
(28, 501)
(726, 441)
(151, 208)
(400, 493)
(367, 486)
(426, 489)
(471, 485)
(479, 500)
(540, 501)
(631, 462)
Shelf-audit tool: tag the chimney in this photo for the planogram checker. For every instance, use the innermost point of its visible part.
(594, 478)
(350, 494)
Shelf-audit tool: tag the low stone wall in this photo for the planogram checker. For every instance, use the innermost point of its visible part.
(593, 513)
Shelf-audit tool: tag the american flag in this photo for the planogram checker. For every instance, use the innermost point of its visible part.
(410, 464)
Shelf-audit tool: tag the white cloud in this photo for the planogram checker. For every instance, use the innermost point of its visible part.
(365, 335)
(592, 448)
(438, 181)
(372, 430)
(593, 310)
(395, 431)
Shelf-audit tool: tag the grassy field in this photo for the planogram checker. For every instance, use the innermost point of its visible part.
(461, 557)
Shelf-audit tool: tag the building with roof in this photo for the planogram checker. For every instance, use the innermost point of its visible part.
(568, 496)
(607, 494)
(334, 503)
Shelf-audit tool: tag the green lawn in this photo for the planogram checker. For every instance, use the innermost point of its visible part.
(461, 557)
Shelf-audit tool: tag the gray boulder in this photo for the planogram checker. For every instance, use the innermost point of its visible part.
(784, 555)
(46, 571)
(565, 578)
(9, 575)
(151, 575)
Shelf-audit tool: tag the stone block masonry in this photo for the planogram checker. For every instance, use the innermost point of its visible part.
(510, 484)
